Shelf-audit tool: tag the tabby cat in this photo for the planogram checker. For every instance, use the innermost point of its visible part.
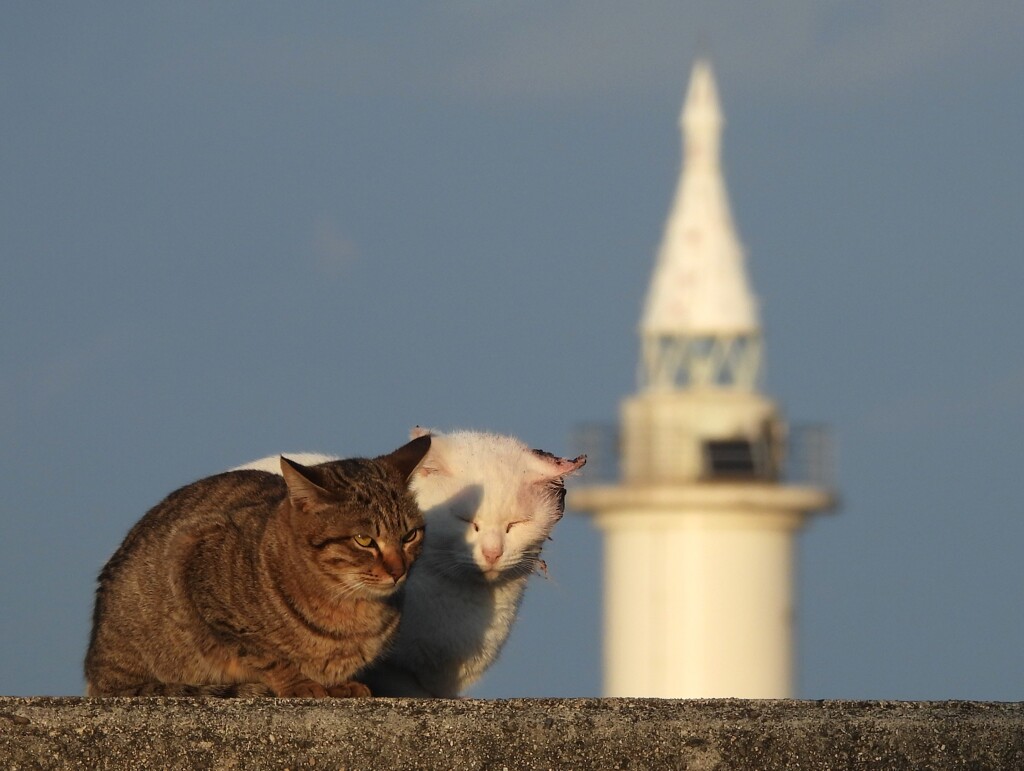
(251, 583)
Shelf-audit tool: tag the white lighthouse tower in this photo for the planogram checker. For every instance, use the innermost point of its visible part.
(699, 532)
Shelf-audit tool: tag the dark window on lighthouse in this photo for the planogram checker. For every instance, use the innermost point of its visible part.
(730, 458)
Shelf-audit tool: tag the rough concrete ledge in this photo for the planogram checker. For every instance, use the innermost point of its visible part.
(257, 734)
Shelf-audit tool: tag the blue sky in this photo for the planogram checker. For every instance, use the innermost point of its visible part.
(237, 229)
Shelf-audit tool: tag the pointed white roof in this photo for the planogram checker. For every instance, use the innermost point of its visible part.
(700, 285)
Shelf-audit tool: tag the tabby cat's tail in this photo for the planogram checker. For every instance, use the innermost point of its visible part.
(223, 690)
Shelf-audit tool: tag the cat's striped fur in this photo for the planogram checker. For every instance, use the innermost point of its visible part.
(251, 583)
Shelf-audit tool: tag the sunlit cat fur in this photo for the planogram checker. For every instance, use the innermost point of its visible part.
(490, 503)
(247, 583)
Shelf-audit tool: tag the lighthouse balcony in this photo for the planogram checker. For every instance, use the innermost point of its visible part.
(804, 456)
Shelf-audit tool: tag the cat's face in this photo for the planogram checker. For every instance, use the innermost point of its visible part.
(361, 555)
(491, 534)
(491, 502)
(356, 523)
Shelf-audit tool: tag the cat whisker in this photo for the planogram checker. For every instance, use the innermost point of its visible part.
(529, 564)
(348, 590)
(459, 568)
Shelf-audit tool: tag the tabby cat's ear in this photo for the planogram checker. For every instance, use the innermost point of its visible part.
(407, 457)
(434, 464)
(303, 491)
(553, 467)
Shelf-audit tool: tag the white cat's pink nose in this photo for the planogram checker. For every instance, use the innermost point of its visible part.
(492, 552)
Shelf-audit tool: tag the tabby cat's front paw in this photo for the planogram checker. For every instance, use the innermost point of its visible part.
(305, 689)
(248, 690)
(349, 689)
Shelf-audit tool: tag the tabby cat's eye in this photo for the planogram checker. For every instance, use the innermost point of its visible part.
(363, 540)
(412, 535)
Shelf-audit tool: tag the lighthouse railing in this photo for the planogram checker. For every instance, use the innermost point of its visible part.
(807, 453)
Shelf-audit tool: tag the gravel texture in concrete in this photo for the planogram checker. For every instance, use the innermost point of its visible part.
(257, 734)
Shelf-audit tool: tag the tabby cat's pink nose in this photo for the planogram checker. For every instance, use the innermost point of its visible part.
(394, 566)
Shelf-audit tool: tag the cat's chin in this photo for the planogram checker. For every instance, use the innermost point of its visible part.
(466, 573)
(496, 576)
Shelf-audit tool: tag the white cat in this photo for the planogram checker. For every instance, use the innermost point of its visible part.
(490, 502)
(272, 463)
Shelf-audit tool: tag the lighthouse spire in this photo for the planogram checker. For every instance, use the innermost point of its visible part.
(700, 325)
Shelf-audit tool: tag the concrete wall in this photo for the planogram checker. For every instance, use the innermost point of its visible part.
(256, 734)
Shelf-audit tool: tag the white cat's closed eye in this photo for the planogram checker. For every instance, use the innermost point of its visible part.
(469, 521)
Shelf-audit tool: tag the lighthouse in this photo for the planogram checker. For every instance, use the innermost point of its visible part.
(699, 530)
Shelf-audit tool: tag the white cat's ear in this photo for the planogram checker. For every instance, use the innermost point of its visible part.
(553, 477)
(303, 490)
(417, 431)
(554, 467)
